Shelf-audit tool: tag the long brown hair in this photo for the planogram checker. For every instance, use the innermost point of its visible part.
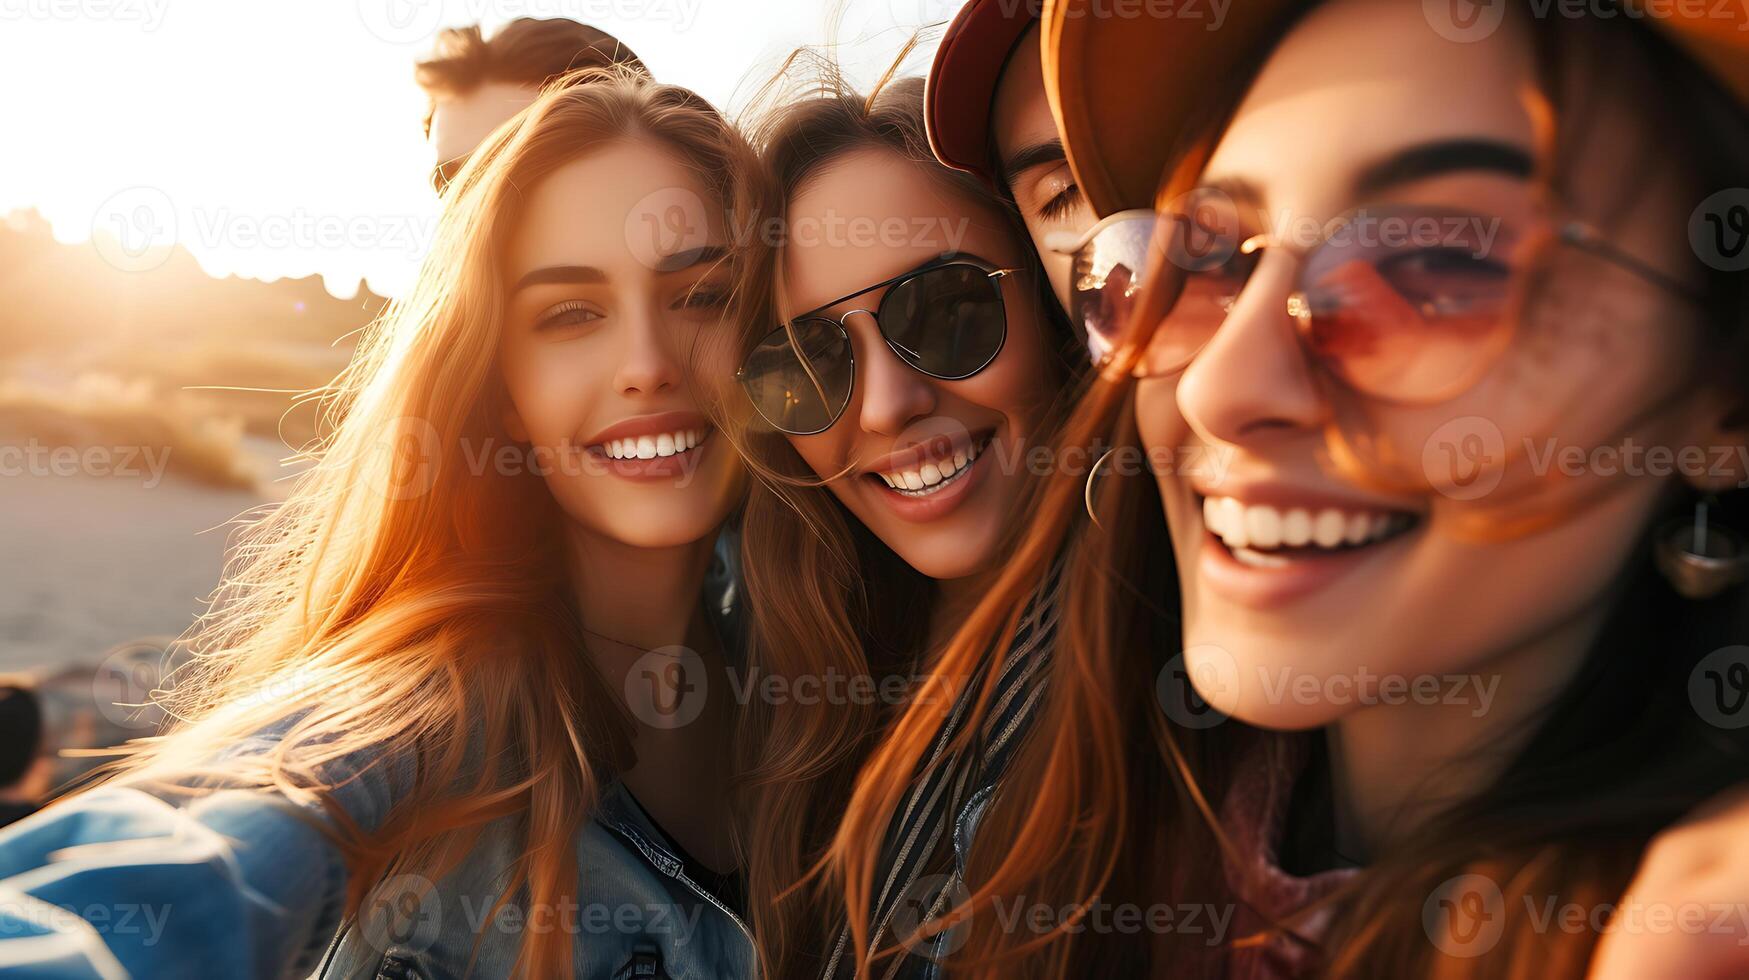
(824, 593)
(402, 604)
(1620, 755)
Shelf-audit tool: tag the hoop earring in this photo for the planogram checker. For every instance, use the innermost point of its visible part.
(1087, 492)
(1700, 557)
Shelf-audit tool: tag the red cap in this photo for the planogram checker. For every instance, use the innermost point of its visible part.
(962, 81)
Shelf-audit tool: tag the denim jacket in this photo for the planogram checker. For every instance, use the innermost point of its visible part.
(121, 881)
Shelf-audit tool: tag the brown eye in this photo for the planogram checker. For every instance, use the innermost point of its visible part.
(567, 315)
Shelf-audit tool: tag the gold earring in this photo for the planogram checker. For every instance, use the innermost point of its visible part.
(1699, 556)
(1087, 493)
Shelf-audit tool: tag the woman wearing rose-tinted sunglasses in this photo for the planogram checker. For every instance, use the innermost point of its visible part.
(1406, 293)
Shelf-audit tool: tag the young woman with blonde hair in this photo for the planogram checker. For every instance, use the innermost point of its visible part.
(439, 721)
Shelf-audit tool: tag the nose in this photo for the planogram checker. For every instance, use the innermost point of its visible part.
(894, 394)
(1253, 380)
(647, 363)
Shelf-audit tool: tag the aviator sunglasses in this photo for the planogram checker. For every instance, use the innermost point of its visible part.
(945, 319)
(1403, 303)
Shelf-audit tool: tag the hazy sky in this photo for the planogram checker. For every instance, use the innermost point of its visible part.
(282, 137)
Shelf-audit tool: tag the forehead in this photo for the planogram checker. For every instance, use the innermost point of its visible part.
(460, 122)
(620, 208)
(1358, 80)
(1021, 114)
(872, 214)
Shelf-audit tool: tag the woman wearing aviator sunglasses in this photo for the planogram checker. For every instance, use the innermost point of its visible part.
(912, 362)
(1453, 650)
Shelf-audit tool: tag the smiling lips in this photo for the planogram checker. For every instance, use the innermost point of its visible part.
(652, 446)
(1256, 533)
(932, 475)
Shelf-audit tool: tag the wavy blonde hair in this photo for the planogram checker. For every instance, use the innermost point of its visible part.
(402, 604)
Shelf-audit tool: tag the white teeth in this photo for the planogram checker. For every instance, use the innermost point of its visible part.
(1327, 532)
(1259, 559)
(1263, 527)
(1296, 529)
(930, 477)
(650, 447)
(1254, 531)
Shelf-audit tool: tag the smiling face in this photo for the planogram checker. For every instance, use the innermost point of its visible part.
(611, 352)
(932, 467)
(1291, 565)
(1030, 157)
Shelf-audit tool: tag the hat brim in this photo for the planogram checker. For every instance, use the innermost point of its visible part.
(962, 82)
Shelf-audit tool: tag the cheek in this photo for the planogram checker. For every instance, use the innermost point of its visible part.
(550, 386)
(1020, 383)
(824, 453)
(1158, 421)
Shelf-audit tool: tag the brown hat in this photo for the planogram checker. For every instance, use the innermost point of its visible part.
(1123, 88)
(962, 81)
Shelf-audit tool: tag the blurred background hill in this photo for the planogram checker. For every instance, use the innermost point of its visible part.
(141, 412)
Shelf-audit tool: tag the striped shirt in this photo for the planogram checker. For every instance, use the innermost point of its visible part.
(918, 881)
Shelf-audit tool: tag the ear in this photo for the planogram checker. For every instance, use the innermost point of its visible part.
(1721, 430)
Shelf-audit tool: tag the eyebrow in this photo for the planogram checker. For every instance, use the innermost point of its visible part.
(570, 274)
(590, 275)
(687, 258)
(1444, 157)
(1024, 159)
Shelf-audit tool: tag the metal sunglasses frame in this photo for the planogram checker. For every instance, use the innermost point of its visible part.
(991, 272)
(1576, 234)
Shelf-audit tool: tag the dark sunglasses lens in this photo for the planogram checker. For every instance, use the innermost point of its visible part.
(799, 377)
(1107, 279)
(947, 322)
(1410, 305)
